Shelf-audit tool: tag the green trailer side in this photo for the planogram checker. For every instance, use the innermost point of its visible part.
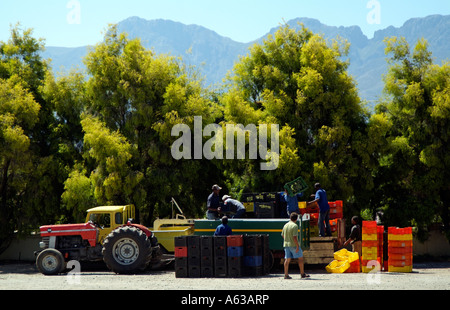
(271, 227)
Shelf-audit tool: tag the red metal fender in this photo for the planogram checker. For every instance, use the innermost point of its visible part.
(141, 227)
(87, 231)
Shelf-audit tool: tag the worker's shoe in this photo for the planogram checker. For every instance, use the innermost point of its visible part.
(287, 277)
(304, 276)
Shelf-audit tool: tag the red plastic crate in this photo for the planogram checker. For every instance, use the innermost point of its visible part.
(406, 256)
(369, 224)
(181, 251)
(369, 230)
(400, 231)
(314, 218)
(235, 241)
(400, 263)
(400, 244)
(355, 267)
(369, 243)
(405, 250)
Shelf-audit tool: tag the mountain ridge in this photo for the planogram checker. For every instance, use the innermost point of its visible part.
(215, 54)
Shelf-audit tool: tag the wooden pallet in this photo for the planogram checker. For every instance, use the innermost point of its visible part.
(321, 250)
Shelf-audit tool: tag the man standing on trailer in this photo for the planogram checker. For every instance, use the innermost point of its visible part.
(213, 203)
(324, 214)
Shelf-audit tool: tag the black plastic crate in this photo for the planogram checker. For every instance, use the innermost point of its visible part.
(220, 261)
(194, 271)
(207, 261)
(194, 261)
(207, 241)
(265, 209)
(235, 272)
(220, 251)
(181, 241)
(254, 240)
(259, 197)
(253, 271)
(220, 241)
(181, 262)
(181, 272)
(220, 271)
(252, 250)
(206, 251)
(247, 197)
(236, 262)
(193, 241)
(270, 197)
(207, 272)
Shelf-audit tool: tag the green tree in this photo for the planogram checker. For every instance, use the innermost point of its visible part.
(133, 99)
(413, 174)
(30, 180)
(298, 80)
(18, 114)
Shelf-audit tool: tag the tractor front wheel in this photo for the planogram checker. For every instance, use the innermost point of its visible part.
(50, 262)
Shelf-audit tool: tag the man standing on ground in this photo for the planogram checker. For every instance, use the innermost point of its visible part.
(291, 246)
(355, 237)
(324, 214)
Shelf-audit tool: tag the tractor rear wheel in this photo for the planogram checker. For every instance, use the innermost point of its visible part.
(127, 250)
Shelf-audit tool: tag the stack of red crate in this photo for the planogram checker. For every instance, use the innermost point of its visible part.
(400, 249)
(336, 209)
(336, 215)
(380, 238)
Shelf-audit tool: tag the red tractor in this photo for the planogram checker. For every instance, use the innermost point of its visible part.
(107, 235)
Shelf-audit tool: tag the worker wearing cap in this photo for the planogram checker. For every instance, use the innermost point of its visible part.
(234, 206)
(213, 203)
(324, 208)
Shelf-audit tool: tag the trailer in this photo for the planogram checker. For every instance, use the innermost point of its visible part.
(316, 250)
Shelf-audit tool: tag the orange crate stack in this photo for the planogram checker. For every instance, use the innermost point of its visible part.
(400, 249)
(369, 245)
(380, 235)
(336, 216)
(336, 209)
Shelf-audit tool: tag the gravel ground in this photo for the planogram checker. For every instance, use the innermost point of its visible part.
(425, 276)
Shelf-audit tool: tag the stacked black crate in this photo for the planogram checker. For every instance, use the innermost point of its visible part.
(235, 253)
(267, 255)
(181, 257)
(220, 256)
(207, 256)
(253, 255)
(265, 209)
(194, 261)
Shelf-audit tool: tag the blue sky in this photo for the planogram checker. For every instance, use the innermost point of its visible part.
(72, 23)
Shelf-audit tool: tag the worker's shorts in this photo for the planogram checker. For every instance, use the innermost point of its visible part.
(291, 253)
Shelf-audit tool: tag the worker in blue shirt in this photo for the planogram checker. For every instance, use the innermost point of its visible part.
(223, 229)
(324, 214)
(233, 206)
(292, 202)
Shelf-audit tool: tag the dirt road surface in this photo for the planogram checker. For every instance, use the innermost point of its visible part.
(425, 276)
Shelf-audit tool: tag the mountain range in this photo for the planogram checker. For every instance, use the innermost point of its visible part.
(215, 55)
